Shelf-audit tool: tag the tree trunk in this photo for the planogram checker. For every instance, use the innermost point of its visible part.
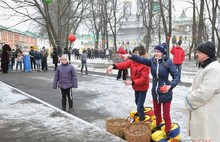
(201, 23)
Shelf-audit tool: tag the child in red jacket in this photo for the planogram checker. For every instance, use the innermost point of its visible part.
(121, 72)
(178, 56)
(139, 79)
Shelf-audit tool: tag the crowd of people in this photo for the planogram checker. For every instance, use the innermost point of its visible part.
(93, 53)
(12, 59)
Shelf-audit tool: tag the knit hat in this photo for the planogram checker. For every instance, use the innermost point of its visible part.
(162, 48)
(208, 48)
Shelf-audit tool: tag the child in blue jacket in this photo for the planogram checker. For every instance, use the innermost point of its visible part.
(161, 67)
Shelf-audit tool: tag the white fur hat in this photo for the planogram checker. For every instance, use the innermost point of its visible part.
(65, 56)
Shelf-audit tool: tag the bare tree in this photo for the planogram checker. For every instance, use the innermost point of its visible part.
(115, 19)
(212, 16)
(201, 23)
(166, 20)
(146, 8)
(194, 30)
(97, 19)
(54, 16)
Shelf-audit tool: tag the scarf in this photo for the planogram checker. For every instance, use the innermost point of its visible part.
(207, 62)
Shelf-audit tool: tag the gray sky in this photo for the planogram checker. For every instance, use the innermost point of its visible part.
(5, 21)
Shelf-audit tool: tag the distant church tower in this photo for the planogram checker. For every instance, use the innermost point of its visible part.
(183, 15)
(127, 7)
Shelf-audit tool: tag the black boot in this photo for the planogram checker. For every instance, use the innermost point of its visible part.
(70, 103)
(63, 104)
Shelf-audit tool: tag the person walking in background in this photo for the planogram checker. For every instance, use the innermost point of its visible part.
(59, 51)
(19, 57)
(43, 60)
(203, 98)
(139, 79)
(65, 78)
(37, 58)
(5, 58)
(55, 57)
(12, 60)
(46, 52)
(178, 56)
(84, 61)
(33, 64)
(122, 72)
(13, 56)
(67, 52)
(161, 67)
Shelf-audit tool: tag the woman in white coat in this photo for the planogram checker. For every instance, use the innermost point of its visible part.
(203, 99)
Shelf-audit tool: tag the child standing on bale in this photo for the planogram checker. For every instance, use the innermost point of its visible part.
(161, 67)
(139, 79)
(65, 78)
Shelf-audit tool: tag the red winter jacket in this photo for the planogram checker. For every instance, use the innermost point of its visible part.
(178, 55)
(139, 74)
(121, 50)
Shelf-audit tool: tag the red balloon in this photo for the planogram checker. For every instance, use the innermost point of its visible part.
(71, 38)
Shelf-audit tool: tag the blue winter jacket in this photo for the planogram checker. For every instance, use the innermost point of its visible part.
(160, 73)
(65, 77)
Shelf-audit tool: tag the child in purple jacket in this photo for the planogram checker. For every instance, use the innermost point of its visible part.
(65, 78)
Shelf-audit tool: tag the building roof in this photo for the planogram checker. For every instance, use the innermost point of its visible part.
(10, 29)
(28, 33)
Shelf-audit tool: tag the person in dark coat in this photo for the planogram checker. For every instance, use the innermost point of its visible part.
(33, 63)
(44, 60)
(59, 51)
(162, 88)
(55, 57)
(13, 55)
(5, 58)
(65, 78)
(67, 52)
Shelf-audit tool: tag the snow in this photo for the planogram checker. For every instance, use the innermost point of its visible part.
(18, 108)
(115, 99)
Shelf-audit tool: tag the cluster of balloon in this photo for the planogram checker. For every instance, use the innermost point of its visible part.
(71, 38)
(48, 1)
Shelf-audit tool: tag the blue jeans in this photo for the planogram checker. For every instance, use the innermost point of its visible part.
(19, 63)
(84, 64)
(178, 68)
(38, 63)
(139, 100)
(11, 64)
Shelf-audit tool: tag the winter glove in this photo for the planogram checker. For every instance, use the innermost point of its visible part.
(163, 89)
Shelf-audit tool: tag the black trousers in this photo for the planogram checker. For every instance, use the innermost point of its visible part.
(65, 92)
(124, 74)
(33, 63)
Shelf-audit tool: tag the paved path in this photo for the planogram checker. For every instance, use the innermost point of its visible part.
(20, 119)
